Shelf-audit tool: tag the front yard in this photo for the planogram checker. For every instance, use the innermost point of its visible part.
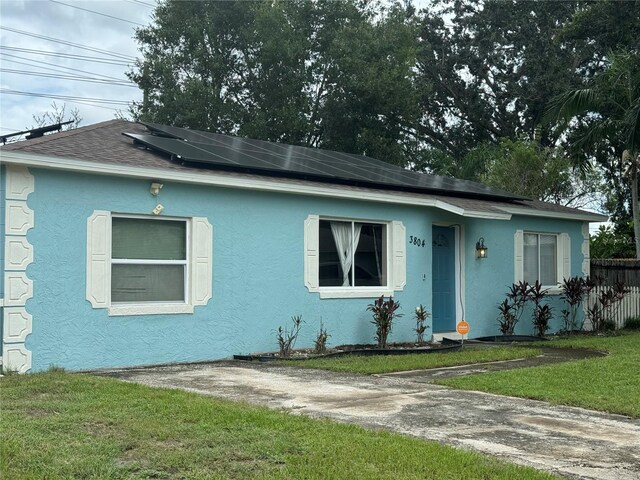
(610, 384)
(60, 425)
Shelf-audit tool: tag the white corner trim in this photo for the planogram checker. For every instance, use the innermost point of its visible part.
(18, 288)
(264, 184)
(586, 255)
(18, 217)
(16, 357)
(18, 253)
(17, 325)
(121, 310)
(19, 183)
(529, 212)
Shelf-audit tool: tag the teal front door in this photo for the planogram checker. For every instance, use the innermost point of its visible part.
(443, 278)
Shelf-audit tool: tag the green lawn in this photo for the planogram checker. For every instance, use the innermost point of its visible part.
(610, 384)
(59, 425)
(401, 363)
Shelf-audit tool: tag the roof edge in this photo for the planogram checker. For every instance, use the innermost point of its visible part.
(530, 212)
(222, 180)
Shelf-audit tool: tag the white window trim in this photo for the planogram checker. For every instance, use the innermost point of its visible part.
(395, 260)
(198, 271)
(118, 306)
(563, 258)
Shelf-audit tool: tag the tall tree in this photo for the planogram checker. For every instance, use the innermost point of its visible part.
(330, 74)
(608, 112)
(488, 68)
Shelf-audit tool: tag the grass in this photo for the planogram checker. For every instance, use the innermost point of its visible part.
(400, 363)
(610, 384)
(60, 425)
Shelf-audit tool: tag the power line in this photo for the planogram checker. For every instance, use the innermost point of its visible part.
(64, 42)
(97, 13)
(57, 68)
(76, 78)
(142, 3)
(71, 56)
(66, 97)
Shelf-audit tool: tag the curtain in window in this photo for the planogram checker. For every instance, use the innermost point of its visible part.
(342, 235)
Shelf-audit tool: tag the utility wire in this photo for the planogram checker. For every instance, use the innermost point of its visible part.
(97, 13)
(141, 3)
(57, 68)
(144, 3)
(76, 78)
(71, 44)
(65, 97)
(85, 58)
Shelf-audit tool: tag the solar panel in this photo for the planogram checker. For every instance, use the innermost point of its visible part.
(268, 158)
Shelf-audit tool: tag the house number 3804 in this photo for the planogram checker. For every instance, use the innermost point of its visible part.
(418, 242)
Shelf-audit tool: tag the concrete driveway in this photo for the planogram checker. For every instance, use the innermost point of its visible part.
(569, 441)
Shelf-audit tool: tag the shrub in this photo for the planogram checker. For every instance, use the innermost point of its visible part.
(421, 316)
(512, 307)
(607, 302)
(320, 343)
(541, 313)
(632, 323)
(287, 338)
(574, 291)
(383, 314)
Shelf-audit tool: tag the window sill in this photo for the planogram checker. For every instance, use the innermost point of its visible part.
(371, 292)
(157, 309)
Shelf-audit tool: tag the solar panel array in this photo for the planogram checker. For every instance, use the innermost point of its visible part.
(274, 159)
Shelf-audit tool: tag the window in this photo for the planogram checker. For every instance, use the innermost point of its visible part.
(148, 265)
(352, 258)
(542, 256)
(352, 254)
(148, 260)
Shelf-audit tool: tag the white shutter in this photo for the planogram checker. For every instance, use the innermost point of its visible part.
(564, 256)
(518, 256)
(201, 261)
(99, 259)
(398, 236)
(311, 252)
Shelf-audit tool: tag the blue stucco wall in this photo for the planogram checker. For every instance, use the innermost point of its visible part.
(258, 279)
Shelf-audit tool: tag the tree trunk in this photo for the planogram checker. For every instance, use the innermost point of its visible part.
(634, 159)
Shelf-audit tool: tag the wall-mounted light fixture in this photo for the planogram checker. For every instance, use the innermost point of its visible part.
(481, 249)
(155, 189)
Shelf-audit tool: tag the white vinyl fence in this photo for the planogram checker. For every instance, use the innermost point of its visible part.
(620, 311)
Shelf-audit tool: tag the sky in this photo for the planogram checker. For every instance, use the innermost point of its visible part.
(43, 45)
(71, 52)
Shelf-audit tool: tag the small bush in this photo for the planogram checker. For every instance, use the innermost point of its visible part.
(632, 323)
(384, 311)
(541, 313)
(287, 338)
(421, 316)
(512, 307)
(320, 343)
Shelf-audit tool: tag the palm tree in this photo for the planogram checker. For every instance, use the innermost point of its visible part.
(611, 104)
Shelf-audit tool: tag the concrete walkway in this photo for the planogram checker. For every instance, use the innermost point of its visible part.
(572, 442)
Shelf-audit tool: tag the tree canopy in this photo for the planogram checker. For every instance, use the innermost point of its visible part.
(435, 90)
(336, 75)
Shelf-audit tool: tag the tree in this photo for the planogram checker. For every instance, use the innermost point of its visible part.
(525, 168)
(608, 113)
(58, 115)
(486, 70)
(337, 75)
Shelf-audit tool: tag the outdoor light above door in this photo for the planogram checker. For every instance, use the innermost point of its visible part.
(481, 249)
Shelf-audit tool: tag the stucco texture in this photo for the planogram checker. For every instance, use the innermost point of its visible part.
(258, 279)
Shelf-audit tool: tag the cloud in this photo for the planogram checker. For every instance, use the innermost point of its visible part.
(30, 25)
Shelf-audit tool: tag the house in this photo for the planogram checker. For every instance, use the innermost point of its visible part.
(129, 244)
